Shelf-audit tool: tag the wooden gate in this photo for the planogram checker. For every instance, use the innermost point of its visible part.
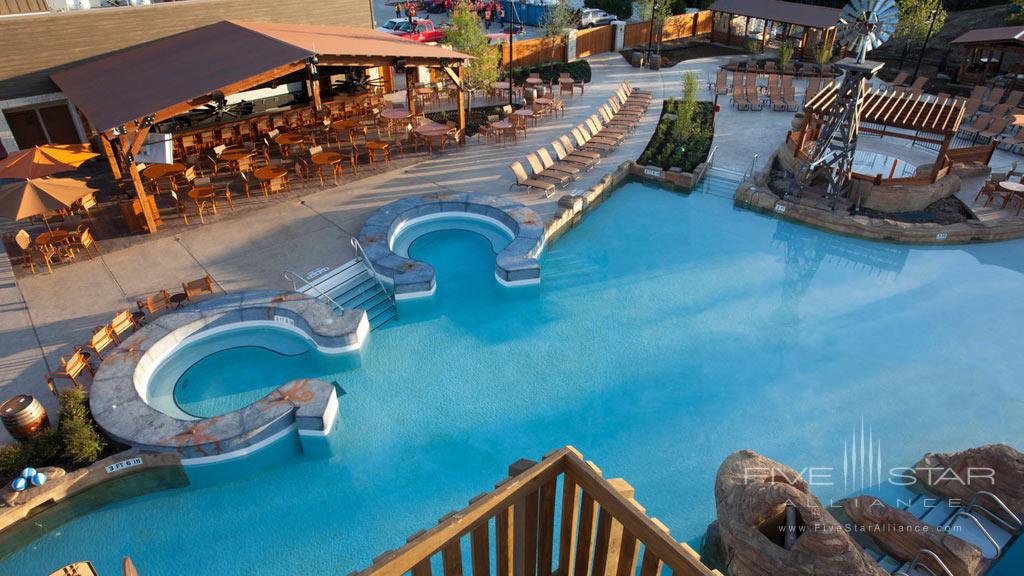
(595, 41)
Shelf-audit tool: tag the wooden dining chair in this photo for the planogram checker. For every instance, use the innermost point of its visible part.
(27, 255)
(82, 240)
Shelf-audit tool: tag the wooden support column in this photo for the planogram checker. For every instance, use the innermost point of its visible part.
(112, 160)
(134, 144)
(567, 526)
(410, 89)
(938, 165)
(313, 77)
(462, 107)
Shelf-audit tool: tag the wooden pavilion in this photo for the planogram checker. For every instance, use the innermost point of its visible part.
(772, 22)
(918, 117)
(122, 96)
(986, 50)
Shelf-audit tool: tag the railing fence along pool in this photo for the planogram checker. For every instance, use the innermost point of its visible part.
(601, 529)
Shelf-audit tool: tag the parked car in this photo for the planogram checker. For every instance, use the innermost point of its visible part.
(421, 30)
(591, 17)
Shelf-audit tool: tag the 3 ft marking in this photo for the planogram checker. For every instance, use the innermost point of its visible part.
(653, 172)
(284, 320)
(123, 464)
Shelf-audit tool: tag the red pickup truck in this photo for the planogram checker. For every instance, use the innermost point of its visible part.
(421, 29)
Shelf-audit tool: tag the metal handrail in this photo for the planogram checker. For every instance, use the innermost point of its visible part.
(753, 163)
(369, 266)
(971, 517)
(1013, 525)
(916, 563)
(711, 157)
(289, 275)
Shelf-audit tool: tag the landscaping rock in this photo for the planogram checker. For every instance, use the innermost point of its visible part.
(995, 468)
(901, 535)
(751, 494)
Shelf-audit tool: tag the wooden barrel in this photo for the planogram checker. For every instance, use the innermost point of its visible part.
(23, 416)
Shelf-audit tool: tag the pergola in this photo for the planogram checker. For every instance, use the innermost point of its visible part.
(986, 49)
(917, 117)
(121, 96)
(805, 25)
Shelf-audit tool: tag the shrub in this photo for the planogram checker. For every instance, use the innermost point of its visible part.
(82, 444)
(12, 459)
(578, 70)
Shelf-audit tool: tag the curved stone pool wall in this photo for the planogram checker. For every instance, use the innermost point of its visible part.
(516, 264)
(118, 396)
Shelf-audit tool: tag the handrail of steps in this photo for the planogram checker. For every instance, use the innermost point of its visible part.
(369, 266)
(984, 531)
(295, 278)
(1013, 525)
(917, 563)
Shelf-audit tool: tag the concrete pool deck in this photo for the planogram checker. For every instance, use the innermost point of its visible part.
(45, 315)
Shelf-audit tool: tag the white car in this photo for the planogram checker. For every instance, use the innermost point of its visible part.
(591, 17)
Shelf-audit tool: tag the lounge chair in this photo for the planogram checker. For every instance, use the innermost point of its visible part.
(122, 323)
(978, 93)
(550, 164)
(197, 287)
(753, 98)
(994, 97)
(981, 123)
(995, 128)
(576, 150)
(599, 127)
(539, 171)
(621, 112)
(72, 368)
(722, 82)
(582, 161)
(739, 97)
(102, 339)
(584, 142)
(789, 97)
(610, 119)
(524, 181)
(971, 107)
(1013, 100)
(155, 304)
(594, 134)
(775, 95)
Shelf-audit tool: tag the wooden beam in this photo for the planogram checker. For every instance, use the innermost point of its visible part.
(462, 107)
(112, 159)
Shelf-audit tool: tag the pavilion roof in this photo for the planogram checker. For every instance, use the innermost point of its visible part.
(179, 72)
(779, 11)
(1001, 35)
(903, 109)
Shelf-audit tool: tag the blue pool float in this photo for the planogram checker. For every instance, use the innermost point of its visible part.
(38, 479)
(19, 484)
(28, 473)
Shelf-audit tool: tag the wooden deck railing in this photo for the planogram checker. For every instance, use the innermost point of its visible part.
(598, 529)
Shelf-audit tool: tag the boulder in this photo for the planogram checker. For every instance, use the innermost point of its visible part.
(752, 494)
(996, 468)
(901, 535)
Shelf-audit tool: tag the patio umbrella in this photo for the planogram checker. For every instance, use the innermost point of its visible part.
(24, 198)
(44, 160)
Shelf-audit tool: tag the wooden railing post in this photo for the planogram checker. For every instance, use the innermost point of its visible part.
(546, 530)
(524, 526)
(568, 526)
(585, 538)
(451, 558)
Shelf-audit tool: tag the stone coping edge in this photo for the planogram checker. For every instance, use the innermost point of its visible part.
(164, 467)
(755, 195)
(120, 409)
(516, 264)
(571, 207)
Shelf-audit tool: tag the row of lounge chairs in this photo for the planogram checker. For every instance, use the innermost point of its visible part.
(596, 136)
(87, 357)
(780, 93)
(900, 81)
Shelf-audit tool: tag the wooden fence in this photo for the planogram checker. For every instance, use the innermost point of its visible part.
(602, 39)
(597, 529)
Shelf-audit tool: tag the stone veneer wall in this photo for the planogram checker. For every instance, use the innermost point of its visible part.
(120, 409)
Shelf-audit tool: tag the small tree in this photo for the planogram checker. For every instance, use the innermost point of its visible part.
(466, 35)
(915, 19)
(621, 9)
(557, 22)
(823, 54)
(785, 54)
(656, 14)
(753, 47)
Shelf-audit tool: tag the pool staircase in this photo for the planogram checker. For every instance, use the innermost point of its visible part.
(984, 521)
(351, 285)
(723, 184)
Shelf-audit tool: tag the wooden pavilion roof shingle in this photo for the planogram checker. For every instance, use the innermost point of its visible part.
(905, 110)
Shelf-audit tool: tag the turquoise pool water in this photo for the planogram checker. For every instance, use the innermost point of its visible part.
(669, 331)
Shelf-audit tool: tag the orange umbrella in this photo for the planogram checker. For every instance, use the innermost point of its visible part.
(44, 160)
(25, 198)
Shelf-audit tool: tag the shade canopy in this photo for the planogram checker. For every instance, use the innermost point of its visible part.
(180, 72)
(905, 110)
(1001, 35)
(779, 11)
(26, 198)
(40, 161)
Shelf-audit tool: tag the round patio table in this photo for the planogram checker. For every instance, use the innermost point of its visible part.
(52, 237)
(503, 85)
(534, 81)
(327, 158)
(285, 141)
(236, 155)
(543, 101)
(157, 171)
(1013, 188)
(396, 114)
(432, 130)
(270, 172)
(345, 124)
(200, 193)
(523, 112)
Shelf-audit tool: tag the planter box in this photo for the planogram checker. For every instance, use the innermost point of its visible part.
(673, 177)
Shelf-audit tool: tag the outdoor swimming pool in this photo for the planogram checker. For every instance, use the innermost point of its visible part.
(669, 330)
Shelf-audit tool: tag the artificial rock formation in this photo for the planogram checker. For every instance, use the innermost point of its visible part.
(901, 535)
(995, 468)
(752, 493)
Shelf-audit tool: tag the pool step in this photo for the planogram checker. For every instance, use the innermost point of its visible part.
(352, 286)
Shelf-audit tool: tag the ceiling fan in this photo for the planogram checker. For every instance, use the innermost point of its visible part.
(218, 108)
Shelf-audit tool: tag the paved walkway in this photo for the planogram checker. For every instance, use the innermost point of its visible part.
(252, 249)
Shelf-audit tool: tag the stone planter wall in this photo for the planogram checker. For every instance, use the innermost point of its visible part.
(572, 207)
(673, 177)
